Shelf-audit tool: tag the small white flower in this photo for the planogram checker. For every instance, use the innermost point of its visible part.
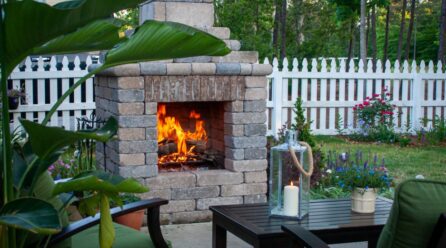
(329, 171)
(419, 177)
(76, 153)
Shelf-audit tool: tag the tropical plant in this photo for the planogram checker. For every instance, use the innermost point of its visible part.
(124, 198)
(30, 203)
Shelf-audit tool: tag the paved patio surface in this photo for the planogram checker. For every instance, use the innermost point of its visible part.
(199, 235)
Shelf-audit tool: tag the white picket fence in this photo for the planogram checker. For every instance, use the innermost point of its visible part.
(44, 81)
(329, 88)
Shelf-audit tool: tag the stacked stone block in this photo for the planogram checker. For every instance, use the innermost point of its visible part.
(190, 194)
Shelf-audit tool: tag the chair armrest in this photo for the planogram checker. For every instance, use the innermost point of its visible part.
(438, 238)
(303, 237)
(153, 223)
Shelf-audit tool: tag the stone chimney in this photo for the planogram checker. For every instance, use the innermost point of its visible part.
(197, 13)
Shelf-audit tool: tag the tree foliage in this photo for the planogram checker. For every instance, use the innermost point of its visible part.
(324, 28)
(251, 22)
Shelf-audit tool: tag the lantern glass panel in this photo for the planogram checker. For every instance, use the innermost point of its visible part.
(289, 189)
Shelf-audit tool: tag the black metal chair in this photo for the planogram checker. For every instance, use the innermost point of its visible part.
(153, 223)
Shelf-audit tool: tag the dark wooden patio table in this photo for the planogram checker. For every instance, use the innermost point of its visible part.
(330, 220)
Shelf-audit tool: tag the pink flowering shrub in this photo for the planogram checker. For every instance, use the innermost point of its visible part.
(62, 169)
(375, 117)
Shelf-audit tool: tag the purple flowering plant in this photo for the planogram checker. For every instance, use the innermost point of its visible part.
(350, 171)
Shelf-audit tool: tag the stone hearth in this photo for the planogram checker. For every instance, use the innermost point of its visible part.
(131, 93)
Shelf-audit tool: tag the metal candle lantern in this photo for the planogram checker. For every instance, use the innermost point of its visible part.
(289, 182)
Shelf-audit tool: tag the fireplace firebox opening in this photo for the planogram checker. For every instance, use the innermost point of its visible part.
(190, 136)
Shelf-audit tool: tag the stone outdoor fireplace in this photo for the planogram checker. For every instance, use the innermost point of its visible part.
(193, 130)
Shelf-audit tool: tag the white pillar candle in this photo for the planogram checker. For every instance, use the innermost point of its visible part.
(290, 200)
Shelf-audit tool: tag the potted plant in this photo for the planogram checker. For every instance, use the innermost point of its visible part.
(364, 180)
(134, 219)
(14, 96)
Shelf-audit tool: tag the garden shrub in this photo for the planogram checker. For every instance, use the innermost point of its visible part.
(434, 135)
(302, 126)
(375, 119)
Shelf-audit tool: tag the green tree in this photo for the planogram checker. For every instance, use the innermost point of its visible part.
(330, 28)
(250, 21)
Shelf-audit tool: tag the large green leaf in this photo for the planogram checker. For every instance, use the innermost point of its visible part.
(26, 166)
(163, 40)
(45, 141)
(29, 24)
(99, 35)
(89, 205)
(106, 229)
(101, 182)
(31, 214)
(44, 190)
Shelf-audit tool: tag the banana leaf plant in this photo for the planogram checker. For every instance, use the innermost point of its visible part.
(30, 202)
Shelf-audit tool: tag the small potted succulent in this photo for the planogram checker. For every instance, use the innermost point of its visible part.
(133, 219)
(364, 180)
(14, 96)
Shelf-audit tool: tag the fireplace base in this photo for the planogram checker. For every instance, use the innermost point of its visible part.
(191, 193)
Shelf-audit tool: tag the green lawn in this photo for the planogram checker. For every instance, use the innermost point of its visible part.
(402, 162)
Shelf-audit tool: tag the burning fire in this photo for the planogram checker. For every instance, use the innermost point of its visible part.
(170, 130)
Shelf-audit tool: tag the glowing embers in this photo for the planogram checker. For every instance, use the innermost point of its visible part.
(176, 145)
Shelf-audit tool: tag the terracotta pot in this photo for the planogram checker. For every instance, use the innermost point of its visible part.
(73, 213)
(13, 102)
(363, 200)
(132, 220)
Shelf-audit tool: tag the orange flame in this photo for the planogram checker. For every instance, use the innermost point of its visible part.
(170, 129)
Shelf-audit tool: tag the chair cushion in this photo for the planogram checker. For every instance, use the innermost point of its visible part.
(125, 237)
(415, 211)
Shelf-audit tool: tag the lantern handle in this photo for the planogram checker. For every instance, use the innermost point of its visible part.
(298, 164)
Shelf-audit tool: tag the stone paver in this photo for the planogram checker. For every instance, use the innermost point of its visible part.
(199, 235)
